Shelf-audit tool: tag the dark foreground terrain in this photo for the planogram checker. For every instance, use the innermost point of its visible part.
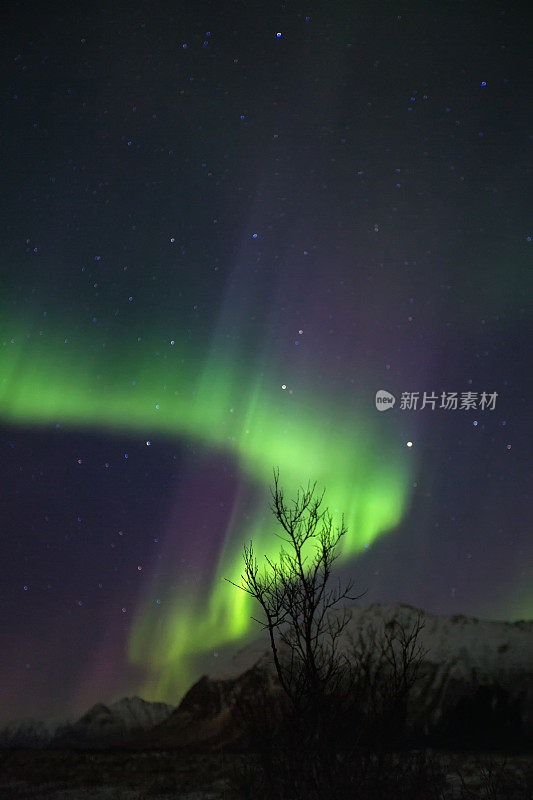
(71, 775)
(54, 774)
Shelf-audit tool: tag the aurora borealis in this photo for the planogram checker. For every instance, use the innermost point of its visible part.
(257, 428)
(226, 229)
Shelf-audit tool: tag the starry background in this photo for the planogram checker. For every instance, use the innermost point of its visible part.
(225, 227)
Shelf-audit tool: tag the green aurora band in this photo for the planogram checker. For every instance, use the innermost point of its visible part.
(154, 388)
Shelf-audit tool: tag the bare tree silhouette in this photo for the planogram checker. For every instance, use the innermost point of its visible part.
(297, 595)
(338, 720)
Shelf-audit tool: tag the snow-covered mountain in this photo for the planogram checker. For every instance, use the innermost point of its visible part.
(101, 726)
(475, 674)
(476, 677)
(113, 724)
(462, 645)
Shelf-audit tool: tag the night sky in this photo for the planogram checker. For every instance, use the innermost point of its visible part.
(225, 227)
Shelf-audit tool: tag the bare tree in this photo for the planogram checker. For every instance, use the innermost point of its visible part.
(332, 729)
(385, 665)
(297, 596)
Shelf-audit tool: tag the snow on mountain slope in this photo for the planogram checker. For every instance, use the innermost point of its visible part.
(475, 681)
(114, 723)
(100, 726)
(464, 644)
(472, 670)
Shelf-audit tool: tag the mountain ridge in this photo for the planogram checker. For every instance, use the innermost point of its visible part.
(472, 669)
